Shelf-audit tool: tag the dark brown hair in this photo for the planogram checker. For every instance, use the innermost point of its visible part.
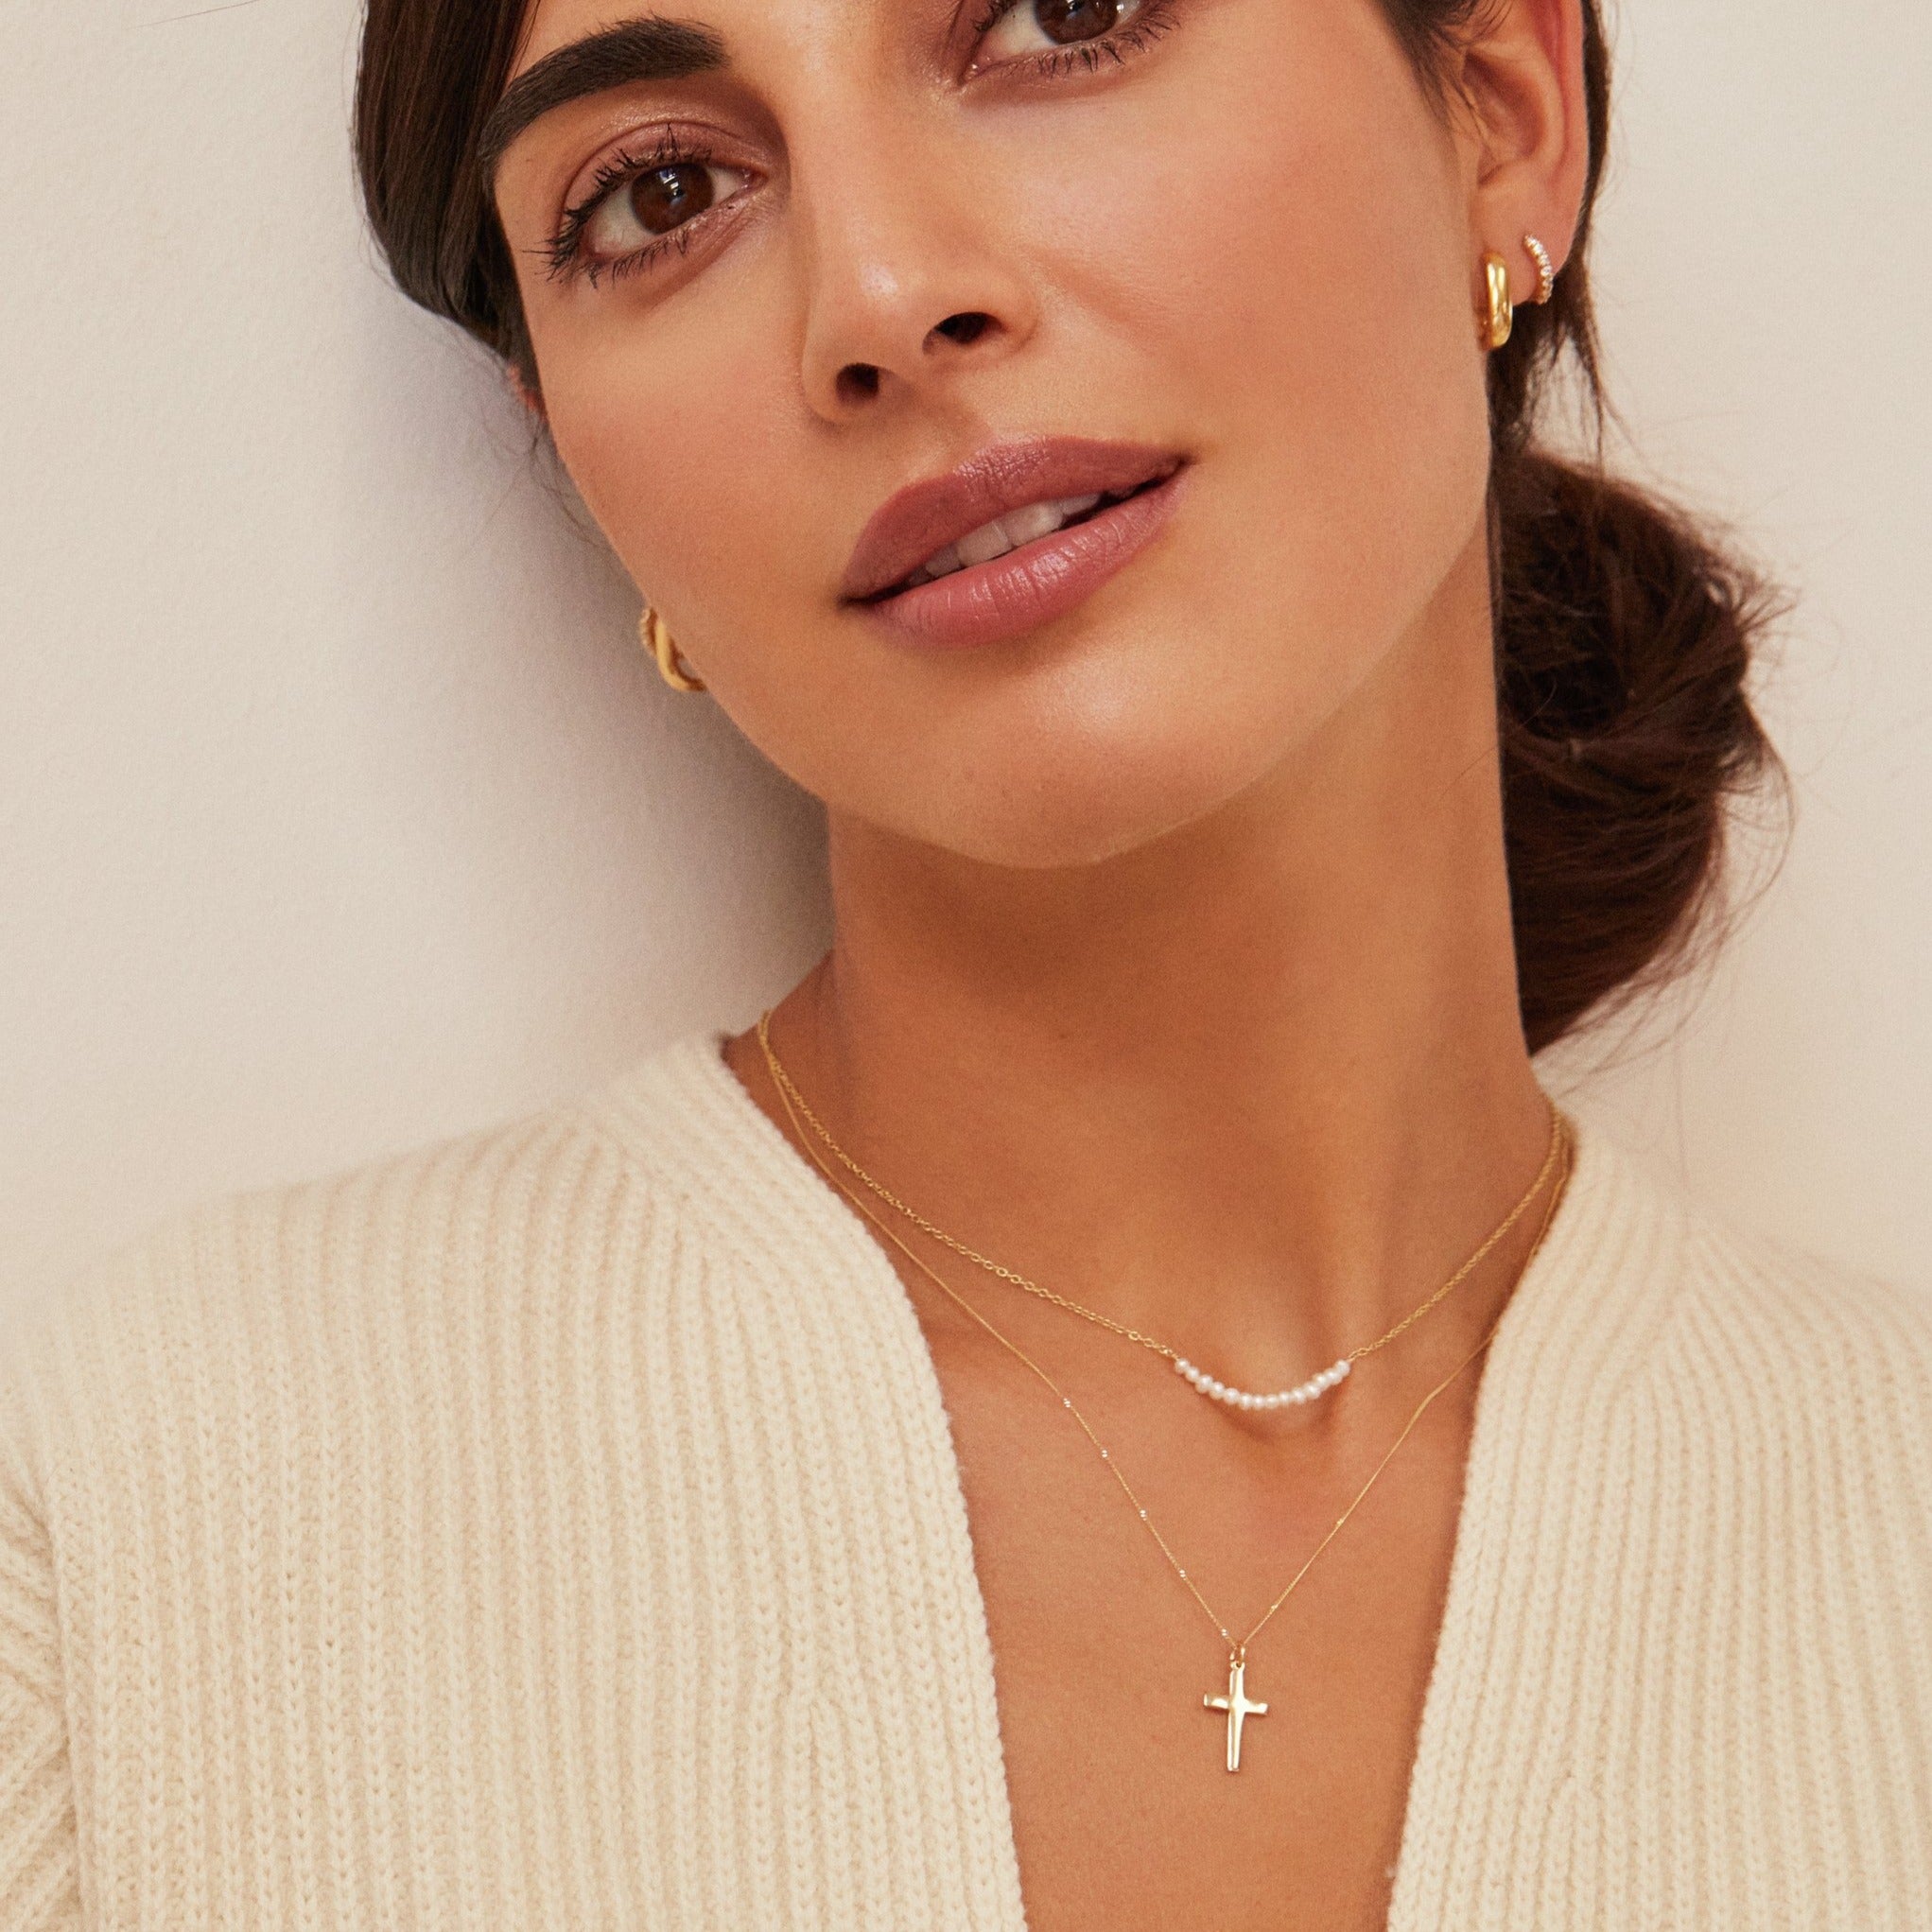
(1624, 631)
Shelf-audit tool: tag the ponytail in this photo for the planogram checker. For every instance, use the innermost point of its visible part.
(1624, 640)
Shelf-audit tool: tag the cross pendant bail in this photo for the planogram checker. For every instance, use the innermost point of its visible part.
(1236, 1704)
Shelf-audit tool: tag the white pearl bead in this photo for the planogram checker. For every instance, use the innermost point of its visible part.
(1313, 1389)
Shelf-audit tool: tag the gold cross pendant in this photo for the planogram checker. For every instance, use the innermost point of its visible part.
(1237, 1706)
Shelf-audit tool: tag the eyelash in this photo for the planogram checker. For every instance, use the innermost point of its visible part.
(563, 253)
(1119, 44)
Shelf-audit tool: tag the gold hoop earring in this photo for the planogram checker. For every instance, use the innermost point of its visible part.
(1545, 269)
(657, 640)
(1500, 316)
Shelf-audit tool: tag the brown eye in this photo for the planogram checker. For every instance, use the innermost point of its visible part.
(664, 198)
(643, 208)
(1044, 27)
(1065, 21)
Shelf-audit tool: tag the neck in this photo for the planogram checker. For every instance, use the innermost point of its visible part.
(1256, 1089)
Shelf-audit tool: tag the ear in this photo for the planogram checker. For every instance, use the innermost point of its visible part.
(1522, 79)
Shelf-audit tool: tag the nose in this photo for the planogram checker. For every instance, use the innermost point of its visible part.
(911, 275)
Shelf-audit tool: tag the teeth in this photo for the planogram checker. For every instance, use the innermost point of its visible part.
(1025, 524)
(1033, 520)
(982, 545)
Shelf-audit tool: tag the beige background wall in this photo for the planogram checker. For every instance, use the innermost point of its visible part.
(337, 810)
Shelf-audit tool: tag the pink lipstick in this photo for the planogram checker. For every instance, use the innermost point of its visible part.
(1014, 538)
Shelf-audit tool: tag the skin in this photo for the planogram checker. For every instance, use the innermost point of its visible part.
(1172, 960)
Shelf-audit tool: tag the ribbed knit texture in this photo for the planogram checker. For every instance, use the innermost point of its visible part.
(560, 1527)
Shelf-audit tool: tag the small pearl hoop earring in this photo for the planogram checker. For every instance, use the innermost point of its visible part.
(657, 640)
(1545, 268)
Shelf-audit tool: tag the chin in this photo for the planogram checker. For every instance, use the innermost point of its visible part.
(1124, 740)
(1062, 798)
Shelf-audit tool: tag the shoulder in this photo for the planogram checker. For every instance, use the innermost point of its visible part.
(1737, 1490)
(275, 1292)
(1757, 1307)
(1726, 1280)
(1815, 1375)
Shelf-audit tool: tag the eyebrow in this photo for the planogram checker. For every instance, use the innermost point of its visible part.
(648, 49)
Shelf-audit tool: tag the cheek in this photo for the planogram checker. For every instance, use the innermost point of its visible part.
(674, 435)
(1290, 268)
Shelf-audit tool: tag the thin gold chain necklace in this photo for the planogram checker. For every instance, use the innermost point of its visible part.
(1235, 1703)
(1198, 1378)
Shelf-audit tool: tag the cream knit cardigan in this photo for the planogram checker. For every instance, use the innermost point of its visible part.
(560, 1527)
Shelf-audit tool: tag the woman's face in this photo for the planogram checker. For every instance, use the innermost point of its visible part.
(1213, 258)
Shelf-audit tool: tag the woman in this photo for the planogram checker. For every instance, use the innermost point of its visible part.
(1091, 444)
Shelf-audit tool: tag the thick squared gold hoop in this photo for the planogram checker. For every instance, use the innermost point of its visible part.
(657, 640)
(1499, 316)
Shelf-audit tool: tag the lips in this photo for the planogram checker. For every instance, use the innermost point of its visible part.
(925, 520)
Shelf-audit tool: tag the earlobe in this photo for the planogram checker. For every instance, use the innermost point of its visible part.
(529, 398)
